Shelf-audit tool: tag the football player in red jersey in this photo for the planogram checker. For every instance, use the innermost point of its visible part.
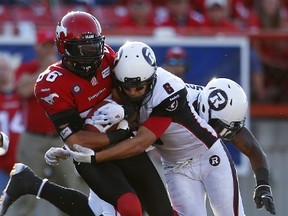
(68, 89)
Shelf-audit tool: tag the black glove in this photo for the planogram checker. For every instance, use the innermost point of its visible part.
(263, 197)
(123, 132)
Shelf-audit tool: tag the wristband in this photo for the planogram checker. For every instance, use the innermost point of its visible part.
(262, 176)
(93, 159)
(117, 136)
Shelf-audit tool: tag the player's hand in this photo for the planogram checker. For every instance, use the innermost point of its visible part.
(55, 154)
(5, 143)
(109, 114)
(263, 197)
(82, 154)
(121, 133)
(123, 124)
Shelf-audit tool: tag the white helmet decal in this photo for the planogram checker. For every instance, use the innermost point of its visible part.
(149, 56)
(217, 99)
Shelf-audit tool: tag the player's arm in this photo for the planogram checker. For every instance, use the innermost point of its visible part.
(129, 147)
(70, 128)
(146, 135)
(247, 144)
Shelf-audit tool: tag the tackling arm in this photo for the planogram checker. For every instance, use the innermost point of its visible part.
(129, 147)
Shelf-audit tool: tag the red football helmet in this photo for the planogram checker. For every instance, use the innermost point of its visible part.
(80, 43)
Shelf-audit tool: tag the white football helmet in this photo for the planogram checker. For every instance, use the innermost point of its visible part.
(135, 65)
(223, 104)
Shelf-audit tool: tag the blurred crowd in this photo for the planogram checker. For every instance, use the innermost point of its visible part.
(268, 65)
(232, 15)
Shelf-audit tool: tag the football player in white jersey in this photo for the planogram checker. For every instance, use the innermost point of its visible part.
(4, 143)
(223, 104)
(195, 160)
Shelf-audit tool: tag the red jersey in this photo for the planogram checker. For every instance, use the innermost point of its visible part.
(11, 124)
(58, 89)
(35, 119)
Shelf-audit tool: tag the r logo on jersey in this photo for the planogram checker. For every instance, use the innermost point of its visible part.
(214, 160)
(50, 98)
(218, 99)
(173, 106)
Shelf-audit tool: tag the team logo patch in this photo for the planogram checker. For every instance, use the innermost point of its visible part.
(218, 99)
(65, 132)
(76, 88)
(94, 81)
(61, 29)
(214, 160)
(50, 98)
(173, 106)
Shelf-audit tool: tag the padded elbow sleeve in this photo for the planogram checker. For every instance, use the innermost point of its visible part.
(67, 123)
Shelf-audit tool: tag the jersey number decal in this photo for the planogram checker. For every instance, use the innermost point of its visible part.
(51, 77)
(15, 125)
(168, 88)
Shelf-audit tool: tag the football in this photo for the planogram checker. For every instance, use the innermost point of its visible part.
(97, 128)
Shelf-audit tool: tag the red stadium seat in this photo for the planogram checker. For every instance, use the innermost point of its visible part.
(5, 13)
(108, 16)
(40, 14)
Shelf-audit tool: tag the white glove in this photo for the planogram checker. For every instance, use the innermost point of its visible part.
(5, 144)
(82, 154)
(109, 114)
(123, 124)
(96, 125)
(55, 154)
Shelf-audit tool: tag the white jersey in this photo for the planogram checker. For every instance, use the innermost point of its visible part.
(196, 163)
(188, 136)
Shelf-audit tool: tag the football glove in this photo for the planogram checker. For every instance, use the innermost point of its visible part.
(55, 154)
(110, 114)
(5, 143)
(122, 132)
(263, 197)
(82, 154)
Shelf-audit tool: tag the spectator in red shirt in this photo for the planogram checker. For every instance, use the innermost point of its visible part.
(273, 52)
(10, 117)
(217, 16)
(140, 13)
(40, 133)
(180, 13)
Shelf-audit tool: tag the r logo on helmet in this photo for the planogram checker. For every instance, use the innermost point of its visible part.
(149, 56)
(217, 99)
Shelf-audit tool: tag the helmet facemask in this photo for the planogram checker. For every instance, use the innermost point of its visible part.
(136, 83)
(226, 132)
(83, 57)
